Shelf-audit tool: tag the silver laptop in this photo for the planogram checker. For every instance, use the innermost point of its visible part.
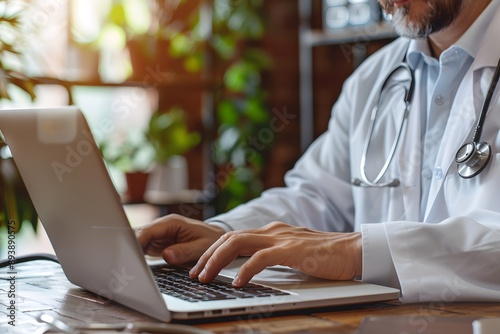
(97, 249)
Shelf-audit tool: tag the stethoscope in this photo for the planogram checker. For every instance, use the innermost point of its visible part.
(471, 158)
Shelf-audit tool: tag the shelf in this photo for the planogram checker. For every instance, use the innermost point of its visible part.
(354, 34)
(177, 197)
(167, 81)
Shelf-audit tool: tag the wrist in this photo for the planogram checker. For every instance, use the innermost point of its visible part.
(358, 255)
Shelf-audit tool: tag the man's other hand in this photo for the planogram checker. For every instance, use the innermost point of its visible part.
(177, 239)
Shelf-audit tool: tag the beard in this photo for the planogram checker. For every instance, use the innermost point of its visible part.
(436, 16)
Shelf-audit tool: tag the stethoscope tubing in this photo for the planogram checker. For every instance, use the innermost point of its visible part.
(365, 182)
(486, 105)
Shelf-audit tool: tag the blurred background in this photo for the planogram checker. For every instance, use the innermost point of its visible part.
(196, 105)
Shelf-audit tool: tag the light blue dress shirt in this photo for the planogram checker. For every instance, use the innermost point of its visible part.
(440, 80)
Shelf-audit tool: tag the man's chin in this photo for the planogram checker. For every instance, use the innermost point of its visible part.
(412, 33)
(405, 27)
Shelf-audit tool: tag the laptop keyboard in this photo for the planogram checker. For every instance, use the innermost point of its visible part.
(175, 281)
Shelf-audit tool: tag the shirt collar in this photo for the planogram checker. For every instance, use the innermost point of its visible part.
(470, 41)
(417, 50)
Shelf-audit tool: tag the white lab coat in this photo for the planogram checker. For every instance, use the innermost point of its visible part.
(453, 253)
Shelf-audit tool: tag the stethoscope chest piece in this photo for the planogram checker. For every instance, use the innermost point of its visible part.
(472, 158)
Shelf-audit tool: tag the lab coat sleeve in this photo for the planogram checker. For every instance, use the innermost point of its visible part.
(378, 267)
(314, 197)
(455, 260)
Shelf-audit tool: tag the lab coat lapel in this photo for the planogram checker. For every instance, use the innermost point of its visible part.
(408, 154)
(410, 159)
(490, 47)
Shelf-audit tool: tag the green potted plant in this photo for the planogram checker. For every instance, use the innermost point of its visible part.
(170, 138)
(15, 202)
(152, 159)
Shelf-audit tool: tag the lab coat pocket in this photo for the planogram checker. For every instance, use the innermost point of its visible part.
(379, 204)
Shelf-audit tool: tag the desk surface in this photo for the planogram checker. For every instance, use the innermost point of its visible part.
(41, 287)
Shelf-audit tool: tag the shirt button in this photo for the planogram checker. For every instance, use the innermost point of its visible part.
(438, 173)
(439, 100)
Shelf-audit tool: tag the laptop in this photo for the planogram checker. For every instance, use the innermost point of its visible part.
(81, 211)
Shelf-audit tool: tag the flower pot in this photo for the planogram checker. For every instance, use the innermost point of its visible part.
(136, 186)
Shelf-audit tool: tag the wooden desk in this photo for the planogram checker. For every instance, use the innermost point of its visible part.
(42, 287)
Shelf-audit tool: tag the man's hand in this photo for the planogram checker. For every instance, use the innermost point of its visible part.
(177, 239)
(335, 256)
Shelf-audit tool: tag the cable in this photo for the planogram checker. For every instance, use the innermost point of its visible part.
(27, 258)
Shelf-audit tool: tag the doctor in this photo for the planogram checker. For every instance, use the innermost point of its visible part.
(421, 226)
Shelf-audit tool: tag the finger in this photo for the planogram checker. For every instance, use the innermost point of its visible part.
(148, 245)
(202, 261)
(183, 252)
(224, 253)
(158, 235)
(257, 263)
(143, 236)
